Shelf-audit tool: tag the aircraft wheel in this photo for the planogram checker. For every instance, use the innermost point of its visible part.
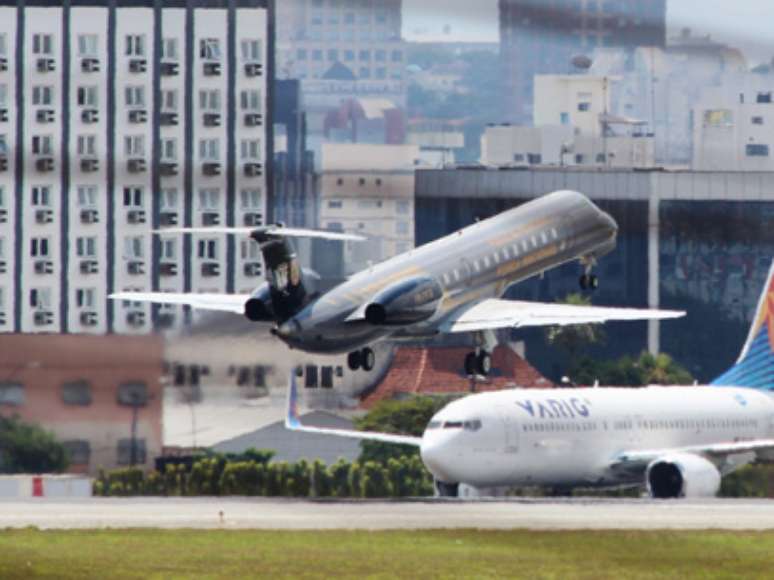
(484, 363)
(471, 365)
(367, 359)
(583, 281)
(593, 282)
(353, 360)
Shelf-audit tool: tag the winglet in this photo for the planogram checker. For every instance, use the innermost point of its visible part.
(292, 420)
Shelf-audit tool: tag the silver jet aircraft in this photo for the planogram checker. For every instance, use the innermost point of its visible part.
(450, 285)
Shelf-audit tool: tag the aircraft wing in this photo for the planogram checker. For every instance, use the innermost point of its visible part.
(494, 313)
(218, 302)
(641, 457)
(293, 423)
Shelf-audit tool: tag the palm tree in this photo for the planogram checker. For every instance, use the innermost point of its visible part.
(574, 338)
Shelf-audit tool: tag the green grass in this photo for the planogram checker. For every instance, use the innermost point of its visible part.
(32, 553)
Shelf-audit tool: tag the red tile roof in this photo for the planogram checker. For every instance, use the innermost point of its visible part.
(416, 370)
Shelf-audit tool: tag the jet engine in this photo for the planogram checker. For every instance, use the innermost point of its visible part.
(405, 302)
(682, 475)
(258, 306)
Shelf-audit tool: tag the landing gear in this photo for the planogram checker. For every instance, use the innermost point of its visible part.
(479, 362)
(363, 358)
(588, 282)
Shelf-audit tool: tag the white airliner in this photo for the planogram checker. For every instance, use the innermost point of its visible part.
(674, 441)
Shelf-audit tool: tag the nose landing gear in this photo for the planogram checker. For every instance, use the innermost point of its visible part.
(588, 281)
(363, 358)
(479, 362)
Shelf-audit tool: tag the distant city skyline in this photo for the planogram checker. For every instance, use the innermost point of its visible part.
(747, 26)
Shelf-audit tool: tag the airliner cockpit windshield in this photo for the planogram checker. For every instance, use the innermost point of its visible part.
(468, 425)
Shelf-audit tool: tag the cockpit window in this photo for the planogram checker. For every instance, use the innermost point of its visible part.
(434, 425)
(472, 425)
(452, 425)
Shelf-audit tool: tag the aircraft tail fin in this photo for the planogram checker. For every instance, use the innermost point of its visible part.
(755, 367)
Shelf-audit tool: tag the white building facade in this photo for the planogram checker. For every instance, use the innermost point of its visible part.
(117, 118)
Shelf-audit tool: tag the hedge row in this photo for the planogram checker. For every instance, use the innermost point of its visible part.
(401, 477)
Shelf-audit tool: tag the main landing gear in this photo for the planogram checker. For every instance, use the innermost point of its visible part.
(479, 362)
(588, 281)
(363, 358)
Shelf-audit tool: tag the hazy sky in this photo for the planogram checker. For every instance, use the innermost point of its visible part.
(747, 24)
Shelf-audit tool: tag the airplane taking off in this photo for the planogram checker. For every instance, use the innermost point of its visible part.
(452, 284)
(674, 441)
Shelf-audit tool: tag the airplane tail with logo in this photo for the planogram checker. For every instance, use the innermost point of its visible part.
(755, 367)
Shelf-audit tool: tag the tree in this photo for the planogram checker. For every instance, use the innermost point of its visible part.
(26, 448)
(632, 372)
(407, 417)
(574, 338)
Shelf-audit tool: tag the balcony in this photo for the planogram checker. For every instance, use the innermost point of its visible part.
(211, 169)
(45, 65)
(138, 116)
(138, 65)
(168, 169)
(211, 69)
(211, 119)
(89, 165)
(210, 218)
(253, 69)
(89, 318)
(44, 216)
(89, 267)
(136, 165)
(169, 69)
(168, 218)
(167, 269)
(44, 267)
(135, 268)
(168, 119)
(89, 216)
(44, 164)
(43, 318)
(89, 116)
(136, 216)
(89, 65)
(252, 269)
(253, 169)
(135, 319)
(252, 219)
(210, 269)
(253, 120)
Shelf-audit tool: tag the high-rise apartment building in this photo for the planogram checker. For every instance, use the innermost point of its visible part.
(120, 117)
(544, 36)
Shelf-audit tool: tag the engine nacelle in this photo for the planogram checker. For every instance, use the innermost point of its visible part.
(406, 302)
(682, 475)
(258, 306)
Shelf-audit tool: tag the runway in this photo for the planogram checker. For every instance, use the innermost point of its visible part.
(288, 514)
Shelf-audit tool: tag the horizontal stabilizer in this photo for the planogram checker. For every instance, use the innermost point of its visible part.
(265, 231)
(293, 423)
(218, 302)
(494, 313)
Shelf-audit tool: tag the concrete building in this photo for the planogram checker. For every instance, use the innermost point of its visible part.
(101, 397)
(693, 240)
(341, 50)
(575, 125)
(369, 190)
(732, 129)
(538, 37)
(120, 117)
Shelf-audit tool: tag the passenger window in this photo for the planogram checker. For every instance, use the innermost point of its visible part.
(515, 248)
(452, 425)
(434, 425)
(544, 237)
(496, 258)
(472, 425)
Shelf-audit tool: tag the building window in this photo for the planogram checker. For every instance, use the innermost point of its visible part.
(41, 196)
(42, 95)
(584, 106)
(209, 199)
(133, 197)
(135, 45)
(757, 150)
(87, 45)
(209, 100)
(763, 97)
(78, 451)
(250, 199)
(40, 298)
(209, 150)
(42, 145)
(76, 393)
(168, 249)
(326, 377)
(251, 50)
(88, 96)
(169, 100)
(3, 45)
(135, 96)
(134, 145)
(87, 145)
(169, 49)
(168, 198)
(564, 118)
(397, 56)
(757, 120)
(249, 250)
(131, 449)
(133, 247)
(85, 297)
(310, 377)
(86, 247)
(402, 207)
(250, 100)
(335, 204)
(301, 54)
(209, 49)
(169, 149)
(11, 394)
(207, 249)
(87, 195)
(39, 247)
(251, 149)
(43, 44)
(134, 394)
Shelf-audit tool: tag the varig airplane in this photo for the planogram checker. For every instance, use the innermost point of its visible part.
(674, 441)
(450, 285)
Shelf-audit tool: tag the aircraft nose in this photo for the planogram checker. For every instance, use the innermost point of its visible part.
(608, 220)
(437, 457)
(288, 329)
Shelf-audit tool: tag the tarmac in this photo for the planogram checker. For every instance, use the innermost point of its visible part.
(419, 514)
